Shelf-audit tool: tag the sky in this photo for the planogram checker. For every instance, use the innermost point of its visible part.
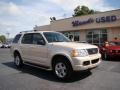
(22, 15)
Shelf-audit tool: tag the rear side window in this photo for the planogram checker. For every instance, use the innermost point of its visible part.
(16, 39)
(27, 38)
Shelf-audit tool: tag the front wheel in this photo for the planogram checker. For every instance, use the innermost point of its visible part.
(62, 69)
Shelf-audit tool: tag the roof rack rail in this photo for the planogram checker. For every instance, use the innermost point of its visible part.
(29, 31)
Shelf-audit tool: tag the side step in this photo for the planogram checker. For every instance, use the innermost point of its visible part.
(37, 65)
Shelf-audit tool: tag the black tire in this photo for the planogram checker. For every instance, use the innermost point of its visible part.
(18, 60)
(65, 72)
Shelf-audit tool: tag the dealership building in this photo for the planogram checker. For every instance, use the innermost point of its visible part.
(94, 28)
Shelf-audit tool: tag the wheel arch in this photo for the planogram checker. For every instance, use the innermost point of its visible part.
(54, 58)
(16, 52)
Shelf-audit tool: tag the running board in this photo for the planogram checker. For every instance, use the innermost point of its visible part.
(37, 65)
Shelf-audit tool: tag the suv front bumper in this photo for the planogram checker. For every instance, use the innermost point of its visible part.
(84, 63)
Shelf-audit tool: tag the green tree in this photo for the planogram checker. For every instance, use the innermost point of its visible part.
(2, 38)
(83, 10)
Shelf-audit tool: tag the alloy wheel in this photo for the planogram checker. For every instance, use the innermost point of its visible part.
(61, 70)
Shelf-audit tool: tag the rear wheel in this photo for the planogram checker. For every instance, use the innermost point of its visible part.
(18, 61)
(62, 69)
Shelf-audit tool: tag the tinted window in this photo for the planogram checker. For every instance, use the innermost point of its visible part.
(38, 39)
(16, 39)
(27, 38)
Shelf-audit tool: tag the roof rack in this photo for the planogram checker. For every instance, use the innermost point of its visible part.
(29, 31)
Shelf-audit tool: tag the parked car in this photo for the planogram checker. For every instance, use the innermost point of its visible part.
(53, 51)
(1, 45)
(5, 45)
(111, 49)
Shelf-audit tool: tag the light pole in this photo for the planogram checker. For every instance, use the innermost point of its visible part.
(7, 36)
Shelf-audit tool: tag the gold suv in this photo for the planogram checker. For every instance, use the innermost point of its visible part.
(53, 51)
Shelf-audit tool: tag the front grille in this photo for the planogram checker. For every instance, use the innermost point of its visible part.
(115, 51)
(92, 51)
(86, 63)
(118, 51)
(94, 61)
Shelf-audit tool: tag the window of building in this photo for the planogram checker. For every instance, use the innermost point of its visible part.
(97, 37)
(73, 36)
(76, 36)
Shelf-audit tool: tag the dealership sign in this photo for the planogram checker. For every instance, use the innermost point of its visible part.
(104, 19)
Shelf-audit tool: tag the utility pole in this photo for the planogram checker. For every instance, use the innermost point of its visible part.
(7, 36)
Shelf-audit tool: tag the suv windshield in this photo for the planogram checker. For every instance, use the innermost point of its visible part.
(114, 43)
(55, 37)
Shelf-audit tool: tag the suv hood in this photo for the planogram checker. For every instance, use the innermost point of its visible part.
(74, 45)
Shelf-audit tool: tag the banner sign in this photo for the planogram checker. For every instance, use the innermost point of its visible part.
(104, 19)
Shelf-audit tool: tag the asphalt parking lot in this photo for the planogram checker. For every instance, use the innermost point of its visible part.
(104, 77)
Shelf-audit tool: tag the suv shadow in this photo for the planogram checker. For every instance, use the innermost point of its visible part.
(48, 75)
(117, 59)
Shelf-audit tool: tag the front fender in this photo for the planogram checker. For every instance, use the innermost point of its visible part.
(63, 54)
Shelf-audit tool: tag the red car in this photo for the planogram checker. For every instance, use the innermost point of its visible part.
(111, 49)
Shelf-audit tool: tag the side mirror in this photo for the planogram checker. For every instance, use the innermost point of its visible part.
(41, 42)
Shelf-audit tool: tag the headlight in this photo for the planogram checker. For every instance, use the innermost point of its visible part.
(79, 53)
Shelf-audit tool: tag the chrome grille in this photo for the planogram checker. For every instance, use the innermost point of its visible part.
(115, 51)
(92, 51)
(118, 51)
